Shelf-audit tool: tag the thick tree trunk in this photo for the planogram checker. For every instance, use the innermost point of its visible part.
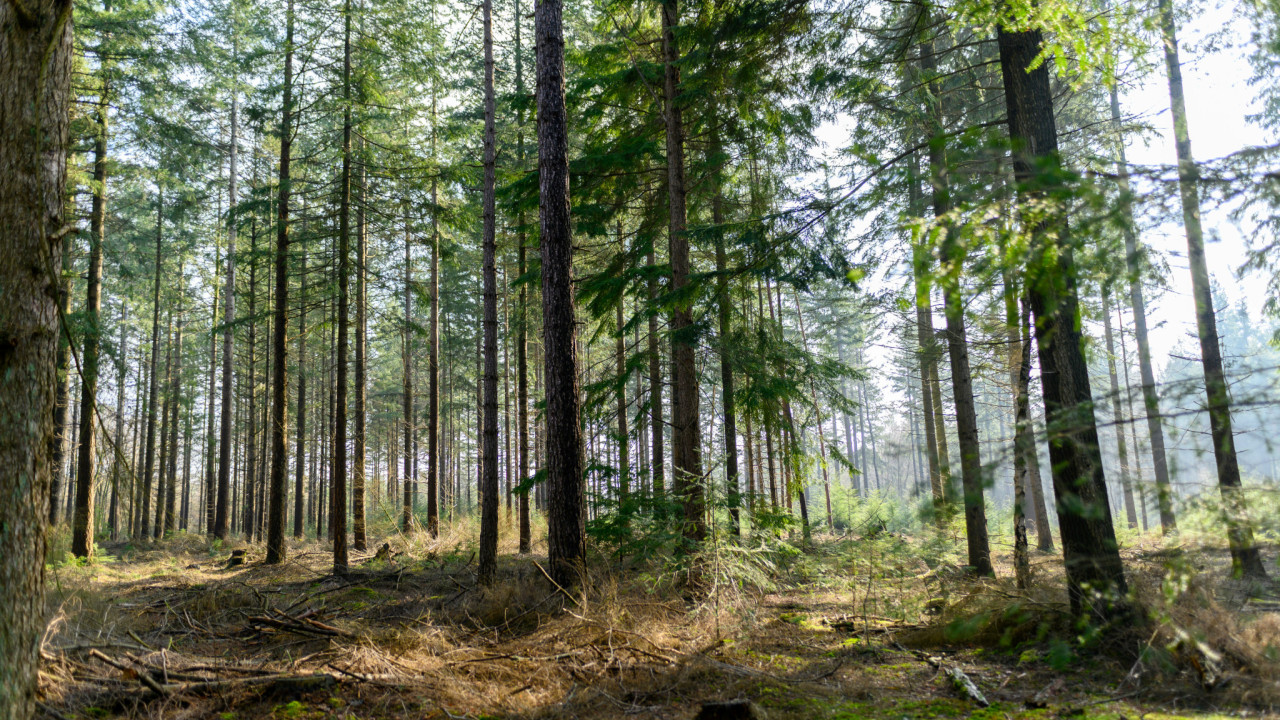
(566, 529)
(276, 508)
(35, 62)
(487, 568)
(221, 515)
(1095, 574)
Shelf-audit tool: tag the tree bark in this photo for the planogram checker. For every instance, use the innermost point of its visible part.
(566, 529)
(153, 393)
(522, 321)
(687, 451)
(488, 565)
(1095, 574)
(221, 511)
(338, 486)
(82, 524)
(35, 62)
(277, 551)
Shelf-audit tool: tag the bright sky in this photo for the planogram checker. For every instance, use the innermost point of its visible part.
(1218, 100)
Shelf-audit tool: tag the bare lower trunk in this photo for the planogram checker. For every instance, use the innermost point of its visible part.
(566, 531)
(276, 509)
(35, 62)
(488, 565)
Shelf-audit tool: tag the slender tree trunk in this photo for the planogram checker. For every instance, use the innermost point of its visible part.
(953, 255)
(522, 322)
(1246, 560)
(658, 461)
(1117, 410)
(175, 400)
(277, 551)
(1151, 400)
(338, 504)
(433, 357)
(58, 443)
(359, 438)
(144, 519)
(249, 510)
(566, 530)
(118, 447)
(227, 412)
(1095, 574)
(407, 400)
(300, 453)
(208, 487)
(924, 339)
(487, 568)
(725, 321)
(620, 367)
(82, 524)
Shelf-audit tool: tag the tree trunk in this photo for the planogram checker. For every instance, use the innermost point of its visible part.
(338, 485)
(277, 551)
(1245, 557)
(1164, 496)
(221, 514)
(1095, 574)
(566, 529)
(35, 62)
(924, 339)
(82, 525)
(175, 400)
(656, 423)
(359, 440)
(301, 452)
(144, 519)
(487, 568)
(687, 453)
(522, 321)
(1117, 410)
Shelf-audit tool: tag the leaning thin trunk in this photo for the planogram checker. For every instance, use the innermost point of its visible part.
(1246, 560)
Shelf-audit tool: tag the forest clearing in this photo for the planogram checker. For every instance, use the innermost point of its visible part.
(695, 360)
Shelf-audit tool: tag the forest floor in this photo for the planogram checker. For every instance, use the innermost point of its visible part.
(847, 628)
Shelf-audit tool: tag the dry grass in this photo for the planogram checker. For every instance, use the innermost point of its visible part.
(844, 630)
